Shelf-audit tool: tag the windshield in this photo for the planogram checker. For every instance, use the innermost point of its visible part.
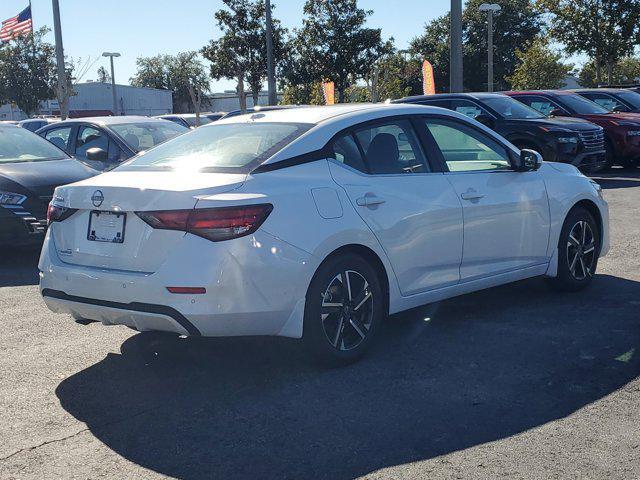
(145, 135)
(21, 145)
(232, 147)
(510, 108)
(581, 105)
(632, 98)
(203, 120)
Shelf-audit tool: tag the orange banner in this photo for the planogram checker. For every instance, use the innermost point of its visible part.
(428, 83)
(328, 89)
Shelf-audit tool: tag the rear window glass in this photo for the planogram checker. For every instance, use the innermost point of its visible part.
(230, 147)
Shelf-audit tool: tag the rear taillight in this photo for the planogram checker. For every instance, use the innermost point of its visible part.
(215, 224)
(55, 213)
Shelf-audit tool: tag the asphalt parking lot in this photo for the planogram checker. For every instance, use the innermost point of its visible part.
(512, 382)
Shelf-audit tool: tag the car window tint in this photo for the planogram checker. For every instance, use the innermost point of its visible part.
(465, 149)
(59, 137)
(541, 104)
(606, 101)
(465, 107)
(392, 148)
(345, 150)
(90, 137)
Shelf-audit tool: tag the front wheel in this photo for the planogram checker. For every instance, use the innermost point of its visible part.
(344, 307)
(578, 250)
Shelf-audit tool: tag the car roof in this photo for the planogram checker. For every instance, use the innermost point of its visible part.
(605, 90)
(106, 121)
(445, 96)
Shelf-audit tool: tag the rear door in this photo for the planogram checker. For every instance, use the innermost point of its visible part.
(506, 213)
(410, 207)
(92, 136)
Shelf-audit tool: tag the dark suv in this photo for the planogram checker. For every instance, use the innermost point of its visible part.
(621, 130)
(558, 140)
(613, 99)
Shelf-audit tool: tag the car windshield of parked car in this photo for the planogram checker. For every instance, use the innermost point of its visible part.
(21, 145)
(231, 147)
(141, 136)
(632, 98)
(203, 120)
(510, 108)
(581, 105)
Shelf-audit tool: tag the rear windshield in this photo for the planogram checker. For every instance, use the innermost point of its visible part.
(231, 147)
(21, 145)
(145, 135)
(581, 105)
(203, 120)
(510, 108)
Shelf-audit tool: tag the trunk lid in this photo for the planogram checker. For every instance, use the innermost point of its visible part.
(142, 248)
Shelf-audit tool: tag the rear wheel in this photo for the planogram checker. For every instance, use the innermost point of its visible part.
(609, 155)
(344, 307)
(578, 250)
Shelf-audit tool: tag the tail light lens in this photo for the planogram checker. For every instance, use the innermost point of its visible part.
(56, 213)
(215, 224)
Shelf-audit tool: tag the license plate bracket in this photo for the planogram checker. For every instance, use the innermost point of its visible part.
(106, 227)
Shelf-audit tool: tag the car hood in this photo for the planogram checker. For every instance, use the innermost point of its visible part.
(575, 124)
(620, 116)
(41, 178)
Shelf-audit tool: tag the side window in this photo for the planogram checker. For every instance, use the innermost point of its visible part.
(543, 105)
(392, 148)
(606, 101)
(91, 137)
(465, 149)
(465, 107)
(59, 137)
(345, 150)
(437, 103)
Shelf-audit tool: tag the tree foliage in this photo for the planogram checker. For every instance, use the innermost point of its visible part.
(539, 68)
(103, 75)
(188, 73)
(27, 71)
(433, 45)
(606, 30)
(333, 45)
(625, 71)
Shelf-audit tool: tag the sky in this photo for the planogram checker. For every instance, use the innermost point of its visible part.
(137, 28)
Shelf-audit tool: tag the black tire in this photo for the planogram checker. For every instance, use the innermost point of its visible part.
(327, 334)
(609, 156)
(578, 251)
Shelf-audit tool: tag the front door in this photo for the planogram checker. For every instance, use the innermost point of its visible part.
(506, 213)
(413, 211)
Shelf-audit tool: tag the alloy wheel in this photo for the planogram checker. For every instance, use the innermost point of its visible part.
(347, 310)
(581, 250)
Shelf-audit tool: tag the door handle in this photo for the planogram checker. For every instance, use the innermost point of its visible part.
(471, 194)
(369, 200)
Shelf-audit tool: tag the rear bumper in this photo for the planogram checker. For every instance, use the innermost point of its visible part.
(255, 285)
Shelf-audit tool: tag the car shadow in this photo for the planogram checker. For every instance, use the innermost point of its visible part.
(442, 378)
(19, 266)
(618, 178)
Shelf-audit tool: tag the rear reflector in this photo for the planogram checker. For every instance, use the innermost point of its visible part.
(215, 224)
(187, 290)
(56, 213)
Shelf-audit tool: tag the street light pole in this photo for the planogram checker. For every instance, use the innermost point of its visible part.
(271, 81)
(455, 81)
(113, 81)
(62, 73)
(490, 8)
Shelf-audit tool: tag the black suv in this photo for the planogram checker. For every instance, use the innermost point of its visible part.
(574, 141)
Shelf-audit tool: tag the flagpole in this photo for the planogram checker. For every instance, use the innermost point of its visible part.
(33, 39)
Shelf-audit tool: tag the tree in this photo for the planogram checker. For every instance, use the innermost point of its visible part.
(188, 73)
(27, 71)
(303, 94)
(159, 72)
(625, 71)
(517, 24)
(333, 45)
(539, 68)
(606, 30)
(103, 75)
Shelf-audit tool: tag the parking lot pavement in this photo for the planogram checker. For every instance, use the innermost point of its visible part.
(514, 382)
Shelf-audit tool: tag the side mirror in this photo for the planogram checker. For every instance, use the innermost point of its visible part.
(485, 120)
(556, 112)
(97, 154)
(528, 161)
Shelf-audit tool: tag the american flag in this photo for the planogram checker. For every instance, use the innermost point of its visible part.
(21, 24)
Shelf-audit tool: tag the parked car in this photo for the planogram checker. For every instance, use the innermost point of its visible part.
(316, 223)
(34, 124)
(30, 169)
(621, 130)
(573, 141)
(258, 109)
(613, 99)
(104, 142)
(631, 87)
(189, 119)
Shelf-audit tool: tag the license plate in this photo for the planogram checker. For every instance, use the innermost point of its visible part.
(106, 227)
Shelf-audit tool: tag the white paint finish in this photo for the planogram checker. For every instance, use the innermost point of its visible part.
(327, 202)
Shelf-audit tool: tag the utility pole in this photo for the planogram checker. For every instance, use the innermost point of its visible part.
(490, 8)
(455, 82)
(62, 73)
(113, 81)
(271, 81)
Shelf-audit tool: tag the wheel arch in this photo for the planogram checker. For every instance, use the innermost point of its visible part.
(593, 209)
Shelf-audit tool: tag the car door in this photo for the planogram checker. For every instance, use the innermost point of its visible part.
(92, 136)
(412, 209)
(61, 137)
(506, 213)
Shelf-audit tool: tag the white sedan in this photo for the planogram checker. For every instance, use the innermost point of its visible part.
(316, 223)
